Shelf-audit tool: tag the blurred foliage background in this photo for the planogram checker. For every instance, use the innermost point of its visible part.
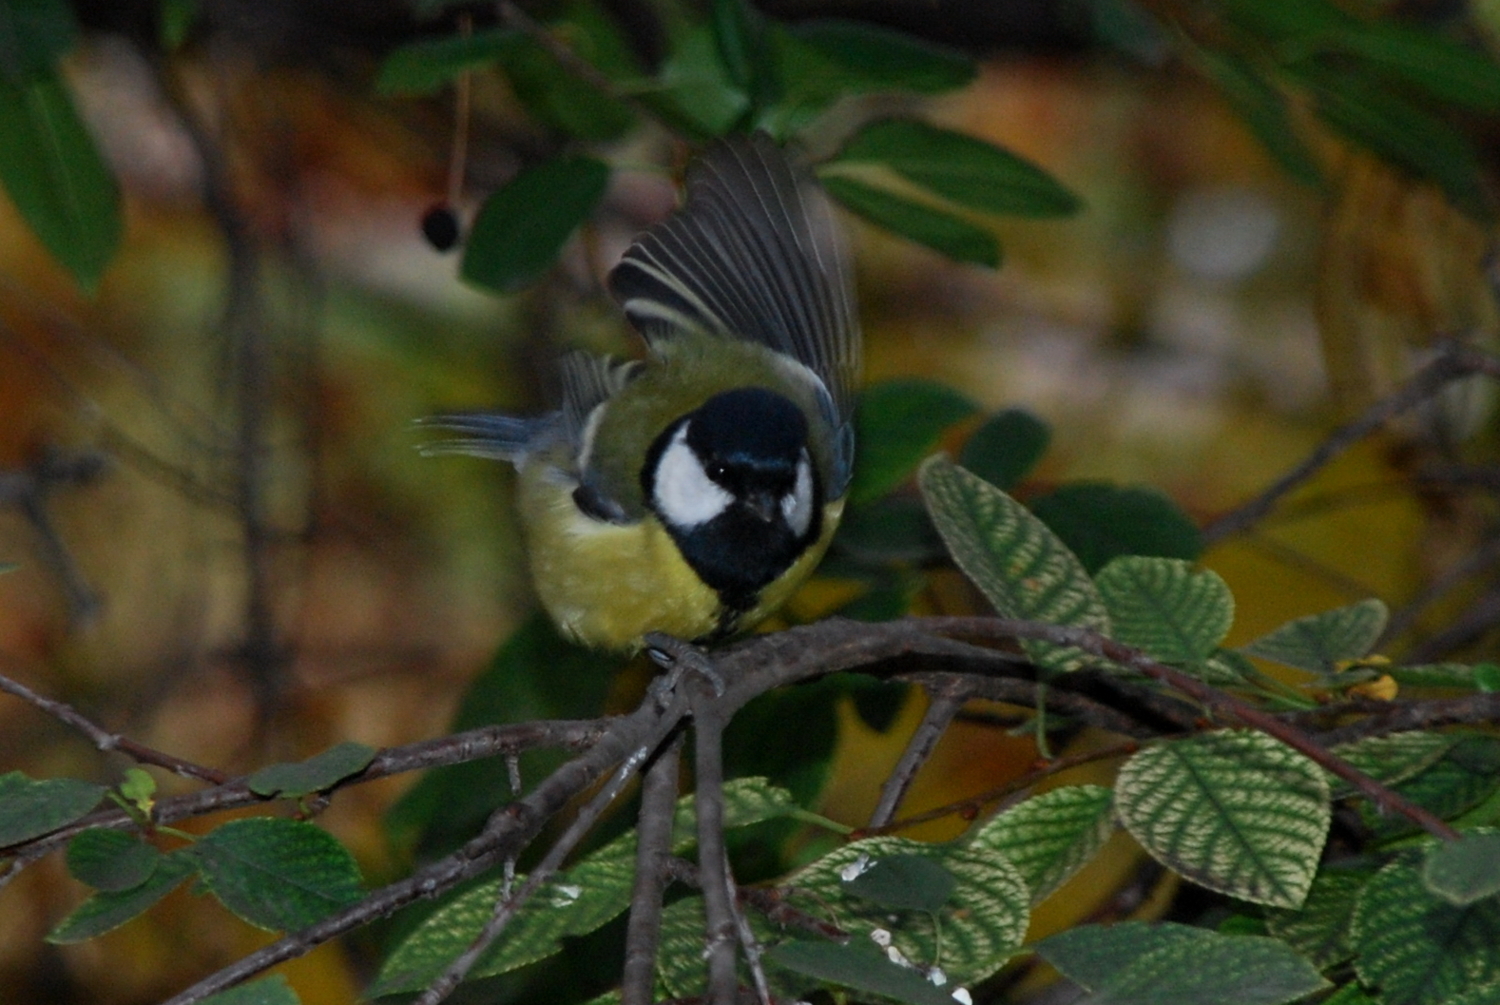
(1197, 327)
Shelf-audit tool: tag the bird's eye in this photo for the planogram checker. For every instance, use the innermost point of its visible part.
(717, 470)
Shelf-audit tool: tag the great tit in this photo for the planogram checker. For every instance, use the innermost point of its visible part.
(690, 492)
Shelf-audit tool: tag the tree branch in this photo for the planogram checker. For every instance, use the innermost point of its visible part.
(653, 834)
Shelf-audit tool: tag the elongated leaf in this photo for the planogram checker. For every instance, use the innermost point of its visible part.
(1319, 642)
(272, 990)
(54, 174)
(869, 58)
(1292, 19)
(277, 874)
(1099, 521)
(1319, 929)
(1428, 60)
(106, 911)
(861, 966)
(745, 47)
(34, 35)
(943, 232)
(556, 95)
(424, 66)
(1051, 836)
(1138, 964)
(1006, 447)
(693, 88)
(898, 424)
(1161, 605)
(960, 168)
(522, 227)
(30, 808)
(111, 860)
(315, 774)
(1416, 947)
(1263, 109)
(1235, 811)
(1464, 871)
(1017, 563)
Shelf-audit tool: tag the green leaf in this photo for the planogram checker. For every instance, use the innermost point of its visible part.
(1487, 677)
(1100, 522)
(555, 94)
(933, 228)
(176, 19)
(1263, 109)
(1319, 929)
(860, 966)
(1138, 964)
(693, 89)
(1416, 947)
(107, 911)
(522, 227)
(1464, 871)
(1292, 19)
(870, 58)
(1319, 642)
(272, 990)
(277, 874)
(575, 902)
(1445, 69)
(30, 809)
(1434, 675)
(1399, 131)
(111, 860)
(428, 64)
(53, 172)
(319, 772)
(898, 424)
(745, 49)
(1465, 776)
(34, 35)
(891, 529)
(1051, 836)
(1392, 758)
(1018, 564)
(960, 168)
(1235, 811)
(905, 882)
(1162, 606)
(138, 788)
(1006, 447)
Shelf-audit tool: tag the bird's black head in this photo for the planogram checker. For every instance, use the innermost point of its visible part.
(734, 484)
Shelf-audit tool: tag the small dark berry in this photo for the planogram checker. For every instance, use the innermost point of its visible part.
(441, 228)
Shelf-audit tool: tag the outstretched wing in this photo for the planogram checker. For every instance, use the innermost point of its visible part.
(754, 254)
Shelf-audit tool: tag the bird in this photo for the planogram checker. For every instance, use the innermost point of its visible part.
(689, 492)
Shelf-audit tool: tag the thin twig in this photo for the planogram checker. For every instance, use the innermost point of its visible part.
(105, 741)
(944, 701)
(713, 861)
(653, 847)
(1454, 362)
(1219, 701)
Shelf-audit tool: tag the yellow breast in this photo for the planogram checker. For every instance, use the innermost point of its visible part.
(606, 585)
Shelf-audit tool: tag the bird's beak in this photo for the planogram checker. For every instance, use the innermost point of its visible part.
(764, 505)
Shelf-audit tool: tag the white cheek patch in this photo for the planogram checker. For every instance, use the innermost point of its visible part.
(684, 494)
(796, 505)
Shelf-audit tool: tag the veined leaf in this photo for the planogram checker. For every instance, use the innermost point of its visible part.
(1319, 642)
(1319, 929)
(1162, 606)
(319, 772)
(898, 424)
(1017, 563)
(1461, 779)
(960, 168)
(54, 174)
(1235, 811)
(1051, 836)
(934, 228)
(1464, 871)
(1418, 948)
(522, 227)
(1393, 758)
(277, 874)
(31, 808)
(861, 966)
(1167, 964)
(903, 882)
